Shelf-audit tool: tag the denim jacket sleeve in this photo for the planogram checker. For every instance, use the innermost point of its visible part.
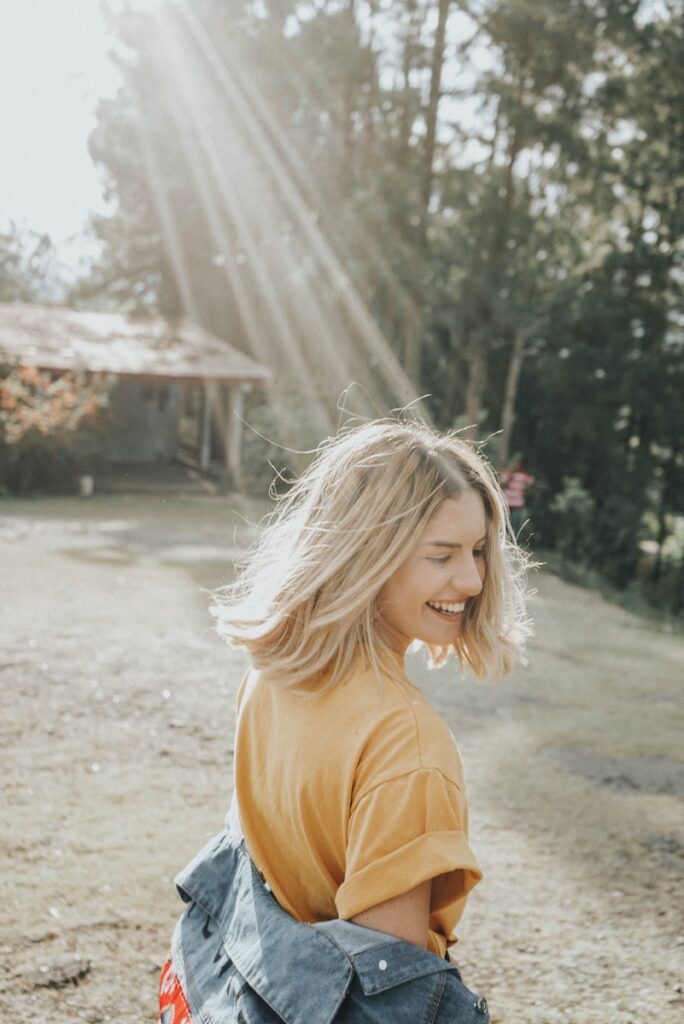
(241, 958)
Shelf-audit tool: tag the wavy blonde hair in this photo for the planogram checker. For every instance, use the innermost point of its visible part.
(304, 600)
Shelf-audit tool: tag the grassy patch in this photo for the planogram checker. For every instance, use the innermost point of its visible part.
(631, 599)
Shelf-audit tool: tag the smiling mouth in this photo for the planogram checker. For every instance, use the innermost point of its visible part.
(446, 610)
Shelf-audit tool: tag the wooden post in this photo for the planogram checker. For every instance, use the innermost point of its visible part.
(233, 434)
(205, 438)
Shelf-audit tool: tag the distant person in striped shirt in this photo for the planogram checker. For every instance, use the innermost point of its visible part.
(515, 482)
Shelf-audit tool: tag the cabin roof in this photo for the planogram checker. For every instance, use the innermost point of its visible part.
(57, 338)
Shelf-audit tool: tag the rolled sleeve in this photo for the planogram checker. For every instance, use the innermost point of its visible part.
(403, 832)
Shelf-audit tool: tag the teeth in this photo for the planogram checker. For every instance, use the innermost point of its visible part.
(450, 609)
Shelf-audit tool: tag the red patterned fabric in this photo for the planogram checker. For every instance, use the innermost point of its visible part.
(173, 1006)
(514, 486)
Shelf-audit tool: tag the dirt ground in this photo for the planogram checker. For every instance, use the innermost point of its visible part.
(116, 733)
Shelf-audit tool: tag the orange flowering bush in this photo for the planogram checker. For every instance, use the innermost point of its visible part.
(31, 400)
(49, 428)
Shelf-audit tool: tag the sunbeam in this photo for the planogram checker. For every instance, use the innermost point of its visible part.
(212, 180)
(374, 257)
(254, 219)
(375, 345)
(164, 212)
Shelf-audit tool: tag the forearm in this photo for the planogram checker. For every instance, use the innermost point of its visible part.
(405, 916)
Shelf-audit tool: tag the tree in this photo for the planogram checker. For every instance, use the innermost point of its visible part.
(28, 267)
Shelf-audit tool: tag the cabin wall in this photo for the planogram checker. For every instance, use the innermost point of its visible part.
(143, 420)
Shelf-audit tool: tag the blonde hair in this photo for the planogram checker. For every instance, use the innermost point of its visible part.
(304, 600)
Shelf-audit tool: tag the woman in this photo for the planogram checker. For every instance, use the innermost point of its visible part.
(349, 794)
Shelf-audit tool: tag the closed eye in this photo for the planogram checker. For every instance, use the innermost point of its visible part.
(441, 559)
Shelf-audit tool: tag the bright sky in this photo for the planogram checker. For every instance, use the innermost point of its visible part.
(53, 68)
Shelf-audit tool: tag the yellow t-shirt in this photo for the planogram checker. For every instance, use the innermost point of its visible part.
(352, 797)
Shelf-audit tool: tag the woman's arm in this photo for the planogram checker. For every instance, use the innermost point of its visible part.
(405, 916)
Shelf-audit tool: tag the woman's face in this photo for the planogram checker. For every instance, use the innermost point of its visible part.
(425, 597)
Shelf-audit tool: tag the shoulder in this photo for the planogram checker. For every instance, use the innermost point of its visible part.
(374, 726)
(403, 734)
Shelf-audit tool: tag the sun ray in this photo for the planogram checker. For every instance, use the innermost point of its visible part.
(374, 343)
(214, 214)
(162, 207)
(224, 174)
(374, 256)
(310, 312)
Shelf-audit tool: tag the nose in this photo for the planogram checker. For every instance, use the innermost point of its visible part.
(467, 578)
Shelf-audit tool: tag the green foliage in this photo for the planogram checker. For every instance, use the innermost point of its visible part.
(666, 589)
(574, 511)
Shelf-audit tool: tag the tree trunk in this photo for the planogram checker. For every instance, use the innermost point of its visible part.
(486, 325)
(412, 352)
(511, 392)
(477, 376)
(666, 503)
(406, 68)
(409, 333)
(431, 114)
(348, 175)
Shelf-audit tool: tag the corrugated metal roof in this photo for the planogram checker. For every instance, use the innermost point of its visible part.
(55, 338)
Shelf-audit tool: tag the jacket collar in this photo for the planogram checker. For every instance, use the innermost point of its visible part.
(297, 969)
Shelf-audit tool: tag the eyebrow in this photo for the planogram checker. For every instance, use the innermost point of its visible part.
(450, 544)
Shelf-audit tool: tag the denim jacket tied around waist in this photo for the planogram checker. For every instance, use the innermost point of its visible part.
(241, 959)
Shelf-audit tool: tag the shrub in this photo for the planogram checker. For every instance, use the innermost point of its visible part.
(38, 464)
(279, 437)
(574, 509)
(49, 430)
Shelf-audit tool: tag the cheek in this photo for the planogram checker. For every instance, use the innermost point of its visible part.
(409, 584)
(389, 597)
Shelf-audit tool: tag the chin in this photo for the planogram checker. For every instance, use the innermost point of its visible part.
(437, 641)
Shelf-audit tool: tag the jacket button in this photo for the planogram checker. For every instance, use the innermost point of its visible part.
(481, 1005)
(382, 965)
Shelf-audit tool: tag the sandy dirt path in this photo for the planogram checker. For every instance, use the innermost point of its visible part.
(116, 734)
